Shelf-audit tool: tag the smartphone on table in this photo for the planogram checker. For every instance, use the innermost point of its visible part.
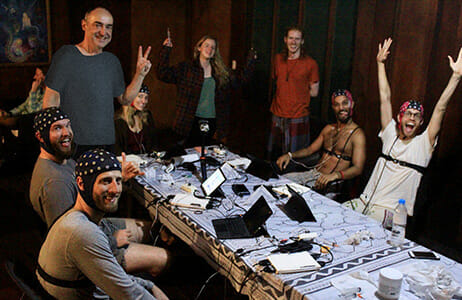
(423, 255)
(240, 190)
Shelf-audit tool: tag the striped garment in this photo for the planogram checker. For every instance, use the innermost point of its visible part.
(288, 134)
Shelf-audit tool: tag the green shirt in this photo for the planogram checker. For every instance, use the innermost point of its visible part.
(206, 106)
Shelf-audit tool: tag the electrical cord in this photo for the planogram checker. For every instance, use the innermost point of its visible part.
(246, 278)
(366, 207)
(204, 285)
(323, 263)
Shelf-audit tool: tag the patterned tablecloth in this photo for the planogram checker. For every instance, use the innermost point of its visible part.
(236, 258)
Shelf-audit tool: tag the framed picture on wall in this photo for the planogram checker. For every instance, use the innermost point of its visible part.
(24, 32)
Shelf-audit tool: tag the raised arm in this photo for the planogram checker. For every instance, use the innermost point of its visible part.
(386, 113)
(245, 74)
(440, 108)
(284, 159)
(165, 72)
(51, 98)
(143, 65)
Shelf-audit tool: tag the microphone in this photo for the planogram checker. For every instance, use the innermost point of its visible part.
(204, 126)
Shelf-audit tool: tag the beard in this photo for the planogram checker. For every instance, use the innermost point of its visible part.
(63, 154)
(342, 118)
(105, 207)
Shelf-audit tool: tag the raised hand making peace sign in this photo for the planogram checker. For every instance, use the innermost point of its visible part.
(143, 64)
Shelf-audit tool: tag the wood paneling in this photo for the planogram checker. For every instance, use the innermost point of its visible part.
(150, 20)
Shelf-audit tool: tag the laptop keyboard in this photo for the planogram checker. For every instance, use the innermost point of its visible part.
(232, 227)
(235, 225)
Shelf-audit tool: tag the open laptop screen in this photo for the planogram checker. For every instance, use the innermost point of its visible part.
(257, 215)
(297, 209)
(213, 182)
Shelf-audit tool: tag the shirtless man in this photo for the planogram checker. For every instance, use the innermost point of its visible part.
(343, 144)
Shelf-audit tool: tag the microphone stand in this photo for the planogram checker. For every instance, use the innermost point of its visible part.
(204, 128)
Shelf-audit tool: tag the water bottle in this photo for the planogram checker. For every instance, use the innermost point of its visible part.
(398, 230)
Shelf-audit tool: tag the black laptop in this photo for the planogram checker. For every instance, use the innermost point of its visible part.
(246, 226)
(296, 208)
(261, 169)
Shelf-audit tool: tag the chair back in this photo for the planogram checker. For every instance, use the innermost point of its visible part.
(26, 280)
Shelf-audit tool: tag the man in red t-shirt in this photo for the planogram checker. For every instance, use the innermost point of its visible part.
(297, 80)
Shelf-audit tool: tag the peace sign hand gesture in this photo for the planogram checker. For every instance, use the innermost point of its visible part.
(143, 64)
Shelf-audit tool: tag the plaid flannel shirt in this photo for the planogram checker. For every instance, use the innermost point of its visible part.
(189, 77)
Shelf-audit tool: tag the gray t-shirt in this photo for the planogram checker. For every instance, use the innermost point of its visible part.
(87, 86)
(76, 248)
(53, 189)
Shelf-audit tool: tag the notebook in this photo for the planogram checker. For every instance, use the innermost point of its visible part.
(296, 208)
(246, 226)
(293, 262)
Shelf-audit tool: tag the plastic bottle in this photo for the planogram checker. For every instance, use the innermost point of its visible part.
(398, 230)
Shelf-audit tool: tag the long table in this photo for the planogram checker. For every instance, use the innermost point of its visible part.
(237, 258)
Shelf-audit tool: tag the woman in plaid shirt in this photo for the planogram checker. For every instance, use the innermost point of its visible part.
(203, 89)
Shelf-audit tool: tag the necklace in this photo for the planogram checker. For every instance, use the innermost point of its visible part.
(139, 141)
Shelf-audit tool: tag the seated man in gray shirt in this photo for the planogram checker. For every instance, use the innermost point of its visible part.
(53, 190)
(76, 258)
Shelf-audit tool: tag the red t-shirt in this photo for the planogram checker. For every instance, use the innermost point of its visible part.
(293, 80)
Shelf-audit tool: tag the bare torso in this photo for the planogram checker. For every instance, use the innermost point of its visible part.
(338, 141)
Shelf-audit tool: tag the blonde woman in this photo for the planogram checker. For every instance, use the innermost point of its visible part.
(134, 125)
(204, 86)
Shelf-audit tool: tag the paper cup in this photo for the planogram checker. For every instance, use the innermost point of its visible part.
(390, 281)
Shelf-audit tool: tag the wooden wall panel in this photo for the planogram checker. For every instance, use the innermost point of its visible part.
(316, 25)
(150, 20)
(213, 17)
(374, 23)
(444, 222)
(411, 50)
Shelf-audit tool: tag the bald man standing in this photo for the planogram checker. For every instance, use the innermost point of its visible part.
(84, 80)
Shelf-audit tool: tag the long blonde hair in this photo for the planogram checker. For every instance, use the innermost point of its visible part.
(128, 115)
(219, 68)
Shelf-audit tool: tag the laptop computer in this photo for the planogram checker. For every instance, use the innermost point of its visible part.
(246, 226)
(261, 169)
(211, 186)
(296, 208)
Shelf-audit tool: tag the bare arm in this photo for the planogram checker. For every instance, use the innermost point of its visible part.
(440, 108)
(51, 98)
(314, 89)
(143, 65)
(359, 156)
(386, 113)
(284, 159)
